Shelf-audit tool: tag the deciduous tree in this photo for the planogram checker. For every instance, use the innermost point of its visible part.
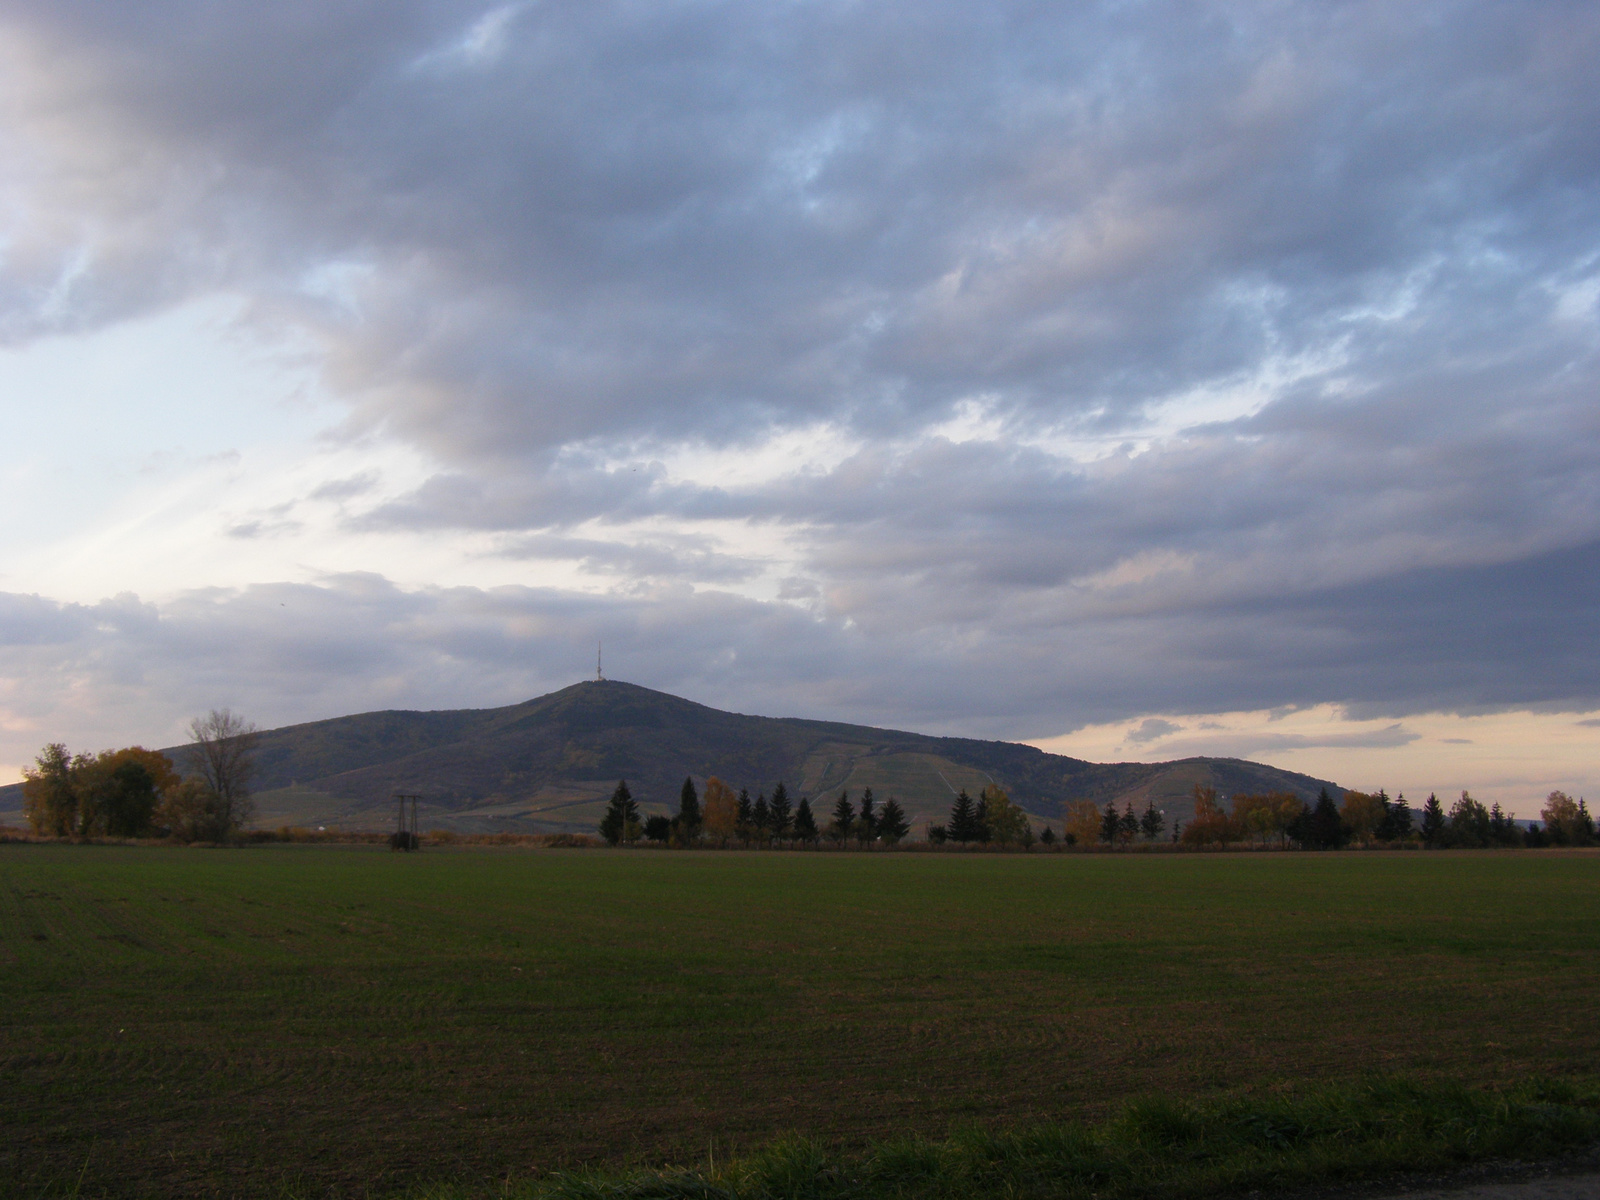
(1081, 823)
(48, 797)
(190, 812)
(128, 802)
(720, 806)
(1567, 821)
(1363, 814)
(1210, 824)
(223, 757)
(1008, 824)
(1469, 823)
(117, 791)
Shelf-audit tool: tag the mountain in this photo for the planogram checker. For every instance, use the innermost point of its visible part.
(548, 765)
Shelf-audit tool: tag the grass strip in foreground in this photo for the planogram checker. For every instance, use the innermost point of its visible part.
(1162, 1147)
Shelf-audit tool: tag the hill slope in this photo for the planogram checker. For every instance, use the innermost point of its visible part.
(548, 764)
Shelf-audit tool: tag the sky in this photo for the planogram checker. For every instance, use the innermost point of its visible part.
(1136, 379)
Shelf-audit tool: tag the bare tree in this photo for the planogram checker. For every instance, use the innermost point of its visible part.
(223, 756)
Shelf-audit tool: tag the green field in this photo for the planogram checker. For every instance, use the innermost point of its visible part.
(192, 1021)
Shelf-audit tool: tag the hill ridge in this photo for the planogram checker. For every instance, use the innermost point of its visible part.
(546, 764)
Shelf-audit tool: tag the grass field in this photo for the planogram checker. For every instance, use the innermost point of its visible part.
(306, 1017)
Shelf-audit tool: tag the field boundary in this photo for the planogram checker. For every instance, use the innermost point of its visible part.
(1358, 1140)
(443, 838)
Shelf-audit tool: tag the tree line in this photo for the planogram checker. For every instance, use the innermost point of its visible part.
(134, 792)
(1372, 818)
(722, 817)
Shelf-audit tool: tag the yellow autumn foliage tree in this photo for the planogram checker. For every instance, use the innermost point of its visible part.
(87, 795)
(1363, 812)
(1210, 823)
(1008, 824)
(1081, 820)
(1567, 820)
(1267, 814)
(719, 805)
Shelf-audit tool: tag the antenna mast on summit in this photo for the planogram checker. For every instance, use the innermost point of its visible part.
(599, 675)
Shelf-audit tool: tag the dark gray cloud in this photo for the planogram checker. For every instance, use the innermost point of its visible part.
(1152, 729)
(1256, 744)
(1330, 271)
(287, 653)
(702, 219)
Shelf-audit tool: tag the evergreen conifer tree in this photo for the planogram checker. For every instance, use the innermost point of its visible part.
(1503, 829)
(1048, 836)
(805, 825)
(963, 825)
(892, 823)
(1109, 823)
(867, 822)
(1152, 823)
(1128, 826)
(844, 816)
(1320, 827)
(1434, 823)
(1400, 815)
(761, 816)
(621, 822)
(688, 811)
(780, 811)
(980, 819)
(745, 815)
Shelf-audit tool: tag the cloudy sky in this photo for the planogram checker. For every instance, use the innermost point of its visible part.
(1139, 379)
